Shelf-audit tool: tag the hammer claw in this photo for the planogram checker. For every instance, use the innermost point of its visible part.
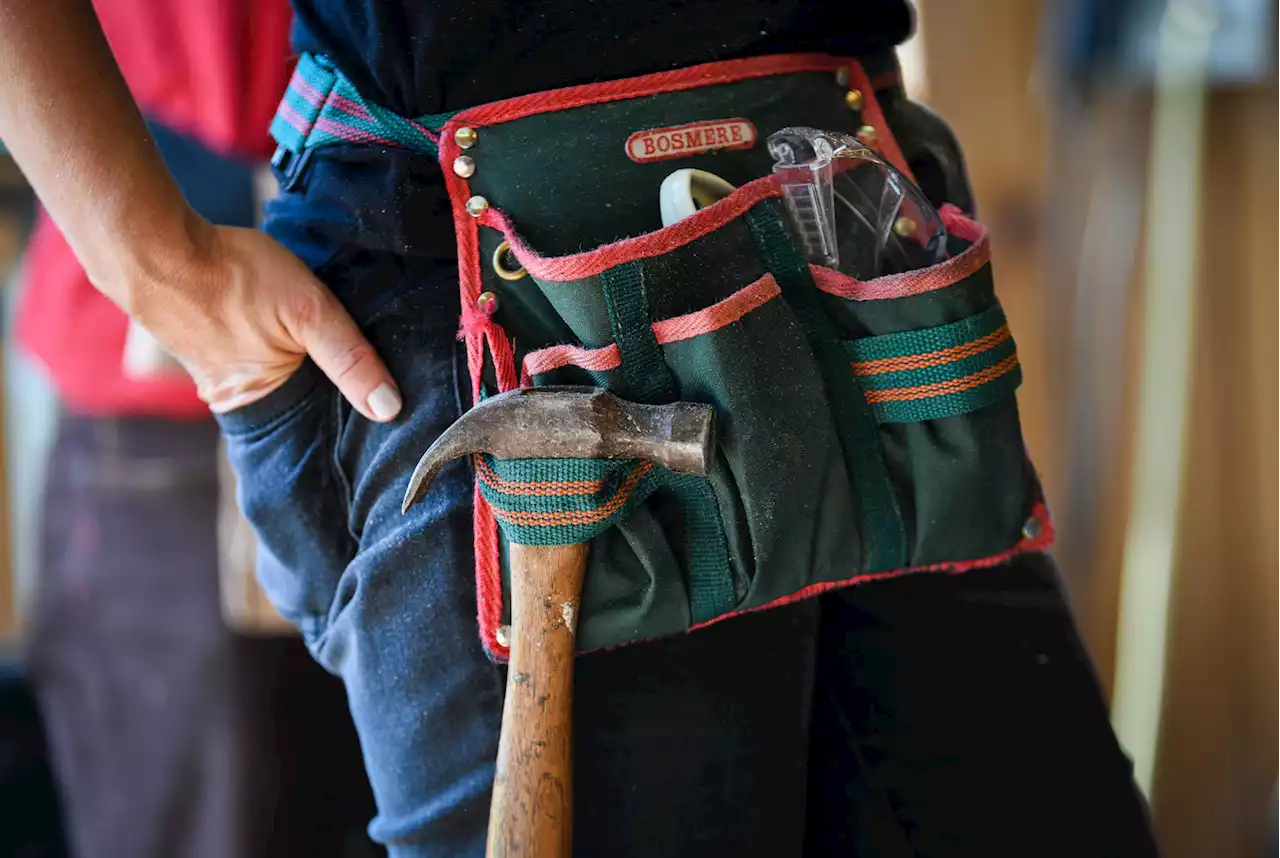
(569, 423)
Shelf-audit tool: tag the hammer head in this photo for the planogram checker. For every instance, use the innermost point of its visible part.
(572, 423)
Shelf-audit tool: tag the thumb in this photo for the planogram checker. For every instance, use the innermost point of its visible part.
(343, 354)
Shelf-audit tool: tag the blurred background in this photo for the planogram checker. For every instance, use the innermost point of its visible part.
(1121, 151)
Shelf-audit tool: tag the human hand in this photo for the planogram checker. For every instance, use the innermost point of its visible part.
(234, 307)
(240, 312)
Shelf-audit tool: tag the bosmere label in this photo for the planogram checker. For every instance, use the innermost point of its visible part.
(658, 144)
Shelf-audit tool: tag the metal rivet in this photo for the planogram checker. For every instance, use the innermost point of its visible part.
(465, 137)
(503, 635)
(904, 226)
(1032, 529)
(842, 76)
(464, 166)
(866, 134)
(500, 263)
(487, 303)
(853, 98)
(476, 205)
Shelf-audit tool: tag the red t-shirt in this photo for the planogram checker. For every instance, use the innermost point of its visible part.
(210, 69)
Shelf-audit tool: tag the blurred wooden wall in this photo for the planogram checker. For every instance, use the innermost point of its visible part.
(978, 59)
(1216, 765)
(1217, 759)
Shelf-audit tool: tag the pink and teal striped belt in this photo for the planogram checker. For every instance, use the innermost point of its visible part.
(322, 107)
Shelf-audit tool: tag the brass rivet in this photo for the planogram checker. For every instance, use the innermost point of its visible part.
(476, 205)
(867, 134)
(1032, 529)
(853, 98)
(904, 226)
(464, 166)
(842, 76)
(500, 267)
(487, 303)
(465, 137)
(503, 635)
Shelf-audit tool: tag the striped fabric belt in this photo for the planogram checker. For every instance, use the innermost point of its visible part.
(322, 107)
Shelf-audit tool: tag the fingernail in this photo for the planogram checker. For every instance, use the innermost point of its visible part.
(384, 402)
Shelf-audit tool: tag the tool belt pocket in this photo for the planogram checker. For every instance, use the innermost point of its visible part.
(933, 357)
(864, 428)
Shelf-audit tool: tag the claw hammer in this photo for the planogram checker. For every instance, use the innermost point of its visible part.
(531, 813)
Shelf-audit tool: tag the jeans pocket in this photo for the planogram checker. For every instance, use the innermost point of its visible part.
(282, 448)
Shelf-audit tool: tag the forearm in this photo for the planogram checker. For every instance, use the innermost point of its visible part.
(69, 121)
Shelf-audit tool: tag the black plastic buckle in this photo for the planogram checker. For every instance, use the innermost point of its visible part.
(289, 167)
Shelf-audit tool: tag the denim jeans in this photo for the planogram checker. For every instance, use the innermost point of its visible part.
(692, 745)
(678, 742)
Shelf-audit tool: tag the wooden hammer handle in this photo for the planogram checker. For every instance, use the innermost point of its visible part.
(532, 810)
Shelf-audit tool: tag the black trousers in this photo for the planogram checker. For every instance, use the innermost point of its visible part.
(959, 715)
(171, 737)
(970, 716)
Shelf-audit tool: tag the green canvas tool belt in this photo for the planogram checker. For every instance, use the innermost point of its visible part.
(865, 428)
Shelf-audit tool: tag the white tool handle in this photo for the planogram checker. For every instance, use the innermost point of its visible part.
(686, 191)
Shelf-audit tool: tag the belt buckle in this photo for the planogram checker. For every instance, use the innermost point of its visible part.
(289, 166)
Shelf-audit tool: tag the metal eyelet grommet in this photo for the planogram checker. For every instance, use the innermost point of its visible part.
(1032, 529)
(477, 205)
(853, 98)
(867, 134)
(487, 303)
(503, 635)
(499, 266)
(464, 166)
(842, 76)
(465, 137)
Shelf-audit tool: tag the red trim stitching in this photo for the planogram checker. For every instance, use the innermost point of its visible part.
(488, 573)
(504, 361)
(672, 330)
(555, 357)
(708, 74)
(719, 314)
(940, 276)
(1040, 543)
(488, 580)
(961, 225)
(872, 115)
(581, 265)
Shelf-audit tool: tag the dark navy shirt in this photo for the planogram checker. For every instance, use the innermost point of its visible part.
(429, 56)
